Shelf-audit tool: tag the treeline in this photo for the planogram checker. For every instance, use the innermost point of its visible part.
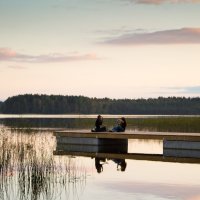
(57, 104)
(0, 105)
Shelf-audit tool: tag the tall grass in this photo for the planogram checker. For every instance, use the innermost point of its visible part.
(166, 124)
(28, 169)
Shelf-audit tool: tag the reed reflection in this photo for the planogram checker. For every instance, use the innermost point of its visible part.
(28, 169)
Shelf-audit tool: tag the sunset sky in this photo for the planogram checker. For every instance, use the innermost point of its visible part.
(100, 48)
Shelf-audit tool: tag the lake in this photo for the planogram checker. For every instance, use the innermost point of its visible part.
(31, 169)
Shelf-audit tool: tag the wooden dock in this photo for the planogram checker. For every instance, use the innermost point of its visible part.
(130, 135)
(177, 147)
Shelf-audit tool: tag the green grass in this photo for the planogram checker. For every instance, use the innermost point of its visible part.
(175, 124)
(163, 124)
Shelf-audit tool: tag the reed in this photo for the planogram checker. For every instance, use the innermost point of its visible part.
(28, 169)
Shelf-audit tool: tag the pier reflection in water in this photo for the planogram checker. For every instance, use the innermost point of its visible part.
(150, 174)
(141, 172)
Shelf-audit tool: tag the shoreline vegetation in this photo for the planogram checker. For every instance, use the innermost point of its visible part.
(29, 170)
(58, 104)
(160, 124)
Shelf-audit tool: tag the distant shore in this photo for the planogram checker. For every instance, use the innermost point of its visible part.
(76, 105)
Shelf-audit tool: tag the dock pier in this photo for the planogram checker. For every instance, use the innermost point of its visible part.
(177, 147)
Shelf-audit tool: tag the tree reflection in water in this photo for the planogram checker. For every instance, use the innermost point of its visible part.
(28, 169)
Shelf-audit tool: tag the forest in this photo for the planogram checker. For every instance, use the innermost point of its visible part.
(58, 104)
(0, 105)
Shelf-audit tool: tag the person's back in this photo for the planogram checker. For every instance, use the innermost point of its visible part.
(98, 125)
(99, 122)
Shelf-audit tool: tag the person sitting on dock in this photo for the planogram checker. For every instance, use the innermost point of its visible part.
(121, 125)
(98, 125)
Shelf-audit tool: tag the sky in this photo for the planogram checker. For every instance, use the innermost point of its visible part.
(100, 48)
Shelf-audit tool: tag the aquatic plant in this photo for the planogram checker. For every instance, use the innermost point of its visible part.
(28, 169)
(166, 124)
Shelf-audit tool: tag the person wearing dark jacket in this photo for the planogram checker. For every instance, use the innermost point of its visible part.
(99, 125)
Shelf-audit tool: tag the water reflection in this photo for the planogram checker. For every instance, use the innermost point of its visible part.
(121, 164)
(28, 169)
(96, 147)
(99, 162)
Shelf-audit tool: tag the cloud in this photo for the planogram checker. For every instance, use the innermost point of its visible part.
(158, 2)
(16, 67)
(119, 31)
(186, 90)
(195, 89)
(179, 91)
(7, 54)
(176, 36)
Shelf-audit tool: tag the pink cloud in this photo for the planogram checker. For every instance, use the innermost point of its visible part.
(7, 54)
(194, 198)
(157, 2)
(176, 36)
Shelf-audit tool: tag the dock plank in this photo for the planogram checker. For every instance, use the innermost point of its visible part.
(130, 135)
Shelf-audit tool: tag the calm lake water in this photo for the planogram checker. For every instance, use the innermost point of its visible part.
(30, 167)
